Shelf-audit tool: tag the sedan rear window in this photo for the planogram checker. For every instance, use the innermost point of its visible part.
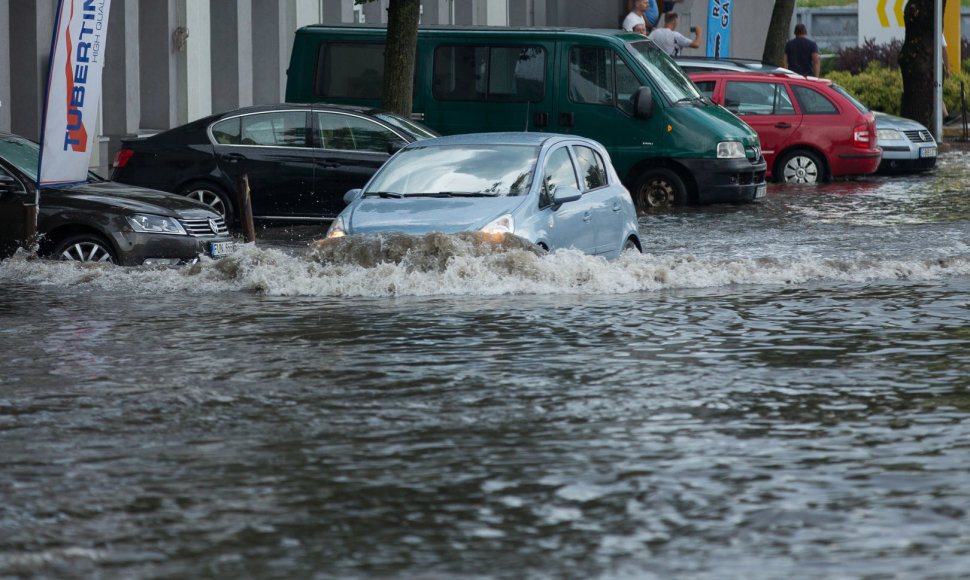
(491, 170)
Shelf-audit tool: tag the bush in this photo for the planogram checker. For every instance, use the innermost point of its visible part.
(857, 59)
(881, 89)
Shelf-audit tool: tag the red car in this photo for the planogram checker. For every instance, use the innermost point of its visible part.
(810, 129)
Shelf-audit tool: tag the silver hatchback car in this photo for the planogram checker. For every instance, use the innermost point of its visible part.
(556, 191)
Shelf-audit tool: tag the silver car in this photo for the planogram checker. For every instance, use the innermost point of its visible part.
(907, 146)
(556, 191)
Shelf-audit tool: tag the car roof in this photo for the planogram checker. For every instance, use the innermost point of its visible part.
(506, 138)
(760, 76)
(300, 106)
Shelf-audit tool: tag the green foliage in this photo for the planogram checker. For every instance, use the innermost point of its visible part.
(881, 89)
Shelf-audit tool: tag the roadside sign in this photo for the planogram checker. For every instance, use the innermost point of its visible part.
(719, 28)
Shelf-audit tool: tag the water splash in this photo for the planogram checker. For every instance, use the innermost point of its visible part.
(469, 265)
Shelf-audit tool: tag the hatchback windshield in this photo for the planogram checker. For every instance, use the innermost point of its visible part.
(488, 170)
(670, 79)
(417, 132)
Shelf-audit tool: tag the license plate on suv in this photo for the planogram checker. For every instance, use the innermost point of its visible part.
(761, 192)
(927, 152)
(221, 249)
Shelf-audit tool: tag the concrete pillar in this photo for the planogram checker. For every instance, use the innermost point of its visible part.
(120, 92)
(493, 13)
(337, 11)
(269, 66)
(31, 27)
(376, 12)
(157, 65)
(232, 54)
(197, 88)
(4, 66)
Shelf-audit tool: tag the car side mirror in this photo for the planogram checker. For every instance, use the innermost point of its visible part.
(643, 103)
(395, 146)
(352, 195)
(565, 194)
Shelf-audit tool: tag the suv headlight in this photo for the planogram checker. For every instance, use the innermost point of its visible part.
(154, 224)
(337, 229)
(730, 150)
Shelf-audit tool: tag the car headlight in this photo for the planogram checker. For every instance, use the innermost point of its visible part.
(155, 224)
(337, 229)
(500, 225)
(888, 135)
(730, 150)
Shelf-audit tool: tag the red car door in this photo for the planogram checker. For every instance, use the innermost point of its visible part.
(767, 106)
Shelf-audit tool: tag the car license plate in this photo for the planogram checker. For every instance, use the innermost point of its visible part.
(221, 249)
(927, 152)
(761, 192)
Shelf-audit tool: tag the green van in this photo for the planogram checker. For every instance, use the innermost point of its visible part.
(669, 144)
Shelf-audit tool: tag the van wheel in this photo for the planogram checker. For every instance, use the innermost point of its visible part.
(801, 167)
(84, 248)
(659, 188)
(212, 195)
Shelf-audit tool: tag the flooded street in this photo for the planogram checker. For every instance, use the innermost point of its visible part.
(777, 390)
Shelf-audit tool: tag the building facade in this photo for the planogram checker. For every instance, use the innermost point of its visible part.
(169, 62)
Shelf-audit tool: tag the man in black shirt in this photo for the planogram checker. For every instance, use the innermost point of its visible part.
(801, 54)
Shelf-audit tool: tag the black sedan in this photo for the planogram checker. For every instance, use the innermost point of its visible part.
(299, 159)
(102, 221)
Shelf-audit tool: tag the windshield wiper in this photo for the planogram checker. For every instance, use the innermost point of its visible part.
(454, 194)
(384, 194)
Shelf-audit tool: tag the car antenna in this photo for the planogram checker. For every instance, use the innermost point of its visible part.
(527, 104)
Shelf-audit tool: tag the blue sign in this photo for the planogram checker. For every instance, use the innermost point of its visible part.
(719, 28)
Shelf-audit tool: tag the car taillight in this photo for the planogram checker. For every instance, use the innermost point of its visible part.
(861, 137)
(123, 156)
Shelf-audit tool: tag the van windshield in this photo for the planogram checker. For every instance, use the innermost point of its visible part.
(670, 79)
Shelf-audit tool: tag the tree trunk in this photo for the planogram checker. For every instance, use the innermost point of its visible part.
(778, 31)
(916, 60)
(400, 54)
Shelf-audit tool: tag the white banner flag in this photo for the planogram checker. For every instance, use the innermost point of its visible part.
(73, 91)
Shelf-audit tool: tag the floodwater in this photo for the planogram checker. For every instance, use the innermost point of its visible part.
(776, 390)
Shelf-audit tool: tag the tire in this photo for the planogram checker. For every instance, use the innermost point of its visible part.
(801, 168)
(659, 188)
(213, 196)
(84, 248)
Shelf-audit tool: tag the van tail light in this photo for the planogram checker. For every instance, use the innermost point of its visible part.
(122, 157)
(861, 136)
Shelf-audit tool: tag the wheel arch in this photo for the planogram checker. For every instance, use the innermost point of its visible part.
(52, 237)
(635, 172)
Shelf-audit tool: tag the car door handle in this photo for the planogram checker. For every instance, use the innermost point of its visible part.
(617, 206)
(587, 217)
(328, 163)
(232, 157)
(783, 126)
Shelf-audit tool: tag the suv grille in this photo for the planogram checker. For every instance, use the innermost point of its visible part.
(919, 136)
(203, 227)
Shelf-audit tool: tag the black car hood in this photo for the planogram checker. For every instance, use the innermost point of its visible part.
(128, 198)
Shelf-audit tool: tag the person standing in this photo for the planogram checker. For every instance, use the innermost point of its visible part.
(801, 53)
(637, 15)
(671, 41)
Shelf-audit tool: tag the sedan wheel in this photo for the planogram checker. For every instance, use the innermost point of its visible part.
(801, 168)
(84, 248)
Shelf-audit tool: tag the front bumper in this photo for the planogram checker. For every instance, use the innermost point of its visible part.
(726, 180)
(134, 248)
(903, 156)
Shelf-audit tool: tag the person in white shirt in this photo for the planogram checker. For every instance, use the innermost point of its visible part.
(637, 15)
(671, 41)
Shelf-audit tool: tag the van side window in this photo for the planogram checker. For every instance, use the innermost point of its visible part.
(492, 73)
(559, 171)
(592, 77)
(813, 102)
(592, 170)
(349, 70)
